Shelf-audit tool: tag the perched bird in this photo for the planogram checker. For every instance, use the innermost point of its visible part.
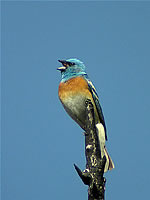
(74, 89)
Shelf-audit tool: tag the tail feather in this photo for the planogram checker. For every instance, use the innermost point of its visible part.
(101, 136)
(109, 163)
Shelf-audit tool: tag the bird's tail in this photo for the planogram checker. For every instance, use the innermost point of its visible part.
(101, 136)
(109, 163)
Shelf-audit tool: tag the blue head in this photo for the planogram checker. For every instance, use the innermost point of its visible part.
(71, 68)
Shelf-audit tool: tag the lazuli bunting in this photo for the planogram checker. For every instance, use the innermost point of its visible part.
(74, 90)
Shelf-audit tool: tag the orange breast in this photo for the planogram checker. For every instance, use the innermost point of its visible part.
(73, 86)
(71, 93)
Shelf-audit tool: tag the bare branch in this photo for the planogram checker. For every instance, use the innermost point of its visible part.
(93, 174)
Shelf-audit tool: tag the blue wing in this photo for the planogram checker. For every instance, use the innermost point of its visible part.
(98, 107)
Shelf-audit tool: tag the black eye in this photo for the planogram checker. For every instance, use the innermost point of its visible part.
(71, 63)
(67, 63)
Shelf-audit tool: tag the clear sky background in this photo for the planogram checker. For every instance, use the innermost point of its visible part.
(40, 143)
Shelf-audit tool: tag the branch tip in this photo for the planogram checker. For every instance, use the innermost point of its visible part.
(85, 175)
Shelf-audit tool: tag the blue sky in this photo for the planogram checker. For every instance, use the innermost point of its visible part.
(40, 143)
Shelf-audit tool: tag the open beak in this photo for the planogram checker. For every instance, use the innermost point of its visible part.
(62, 68)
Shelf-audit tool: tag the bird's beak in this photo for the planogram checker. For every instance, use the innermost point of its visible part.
(62, 68)
(62, 62)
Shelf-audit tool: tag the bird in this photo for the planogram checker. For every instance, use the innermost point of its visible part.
(74, 90)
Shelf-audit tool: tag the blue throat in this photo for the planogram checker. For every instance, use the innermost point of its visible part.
(67, 76)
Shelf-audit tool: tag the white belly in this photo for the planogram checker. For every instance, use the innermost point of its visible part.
(75, 107)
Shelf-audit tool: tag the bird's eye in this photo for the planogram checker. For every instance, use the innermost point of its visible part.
(71, 63)
(68, 64)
